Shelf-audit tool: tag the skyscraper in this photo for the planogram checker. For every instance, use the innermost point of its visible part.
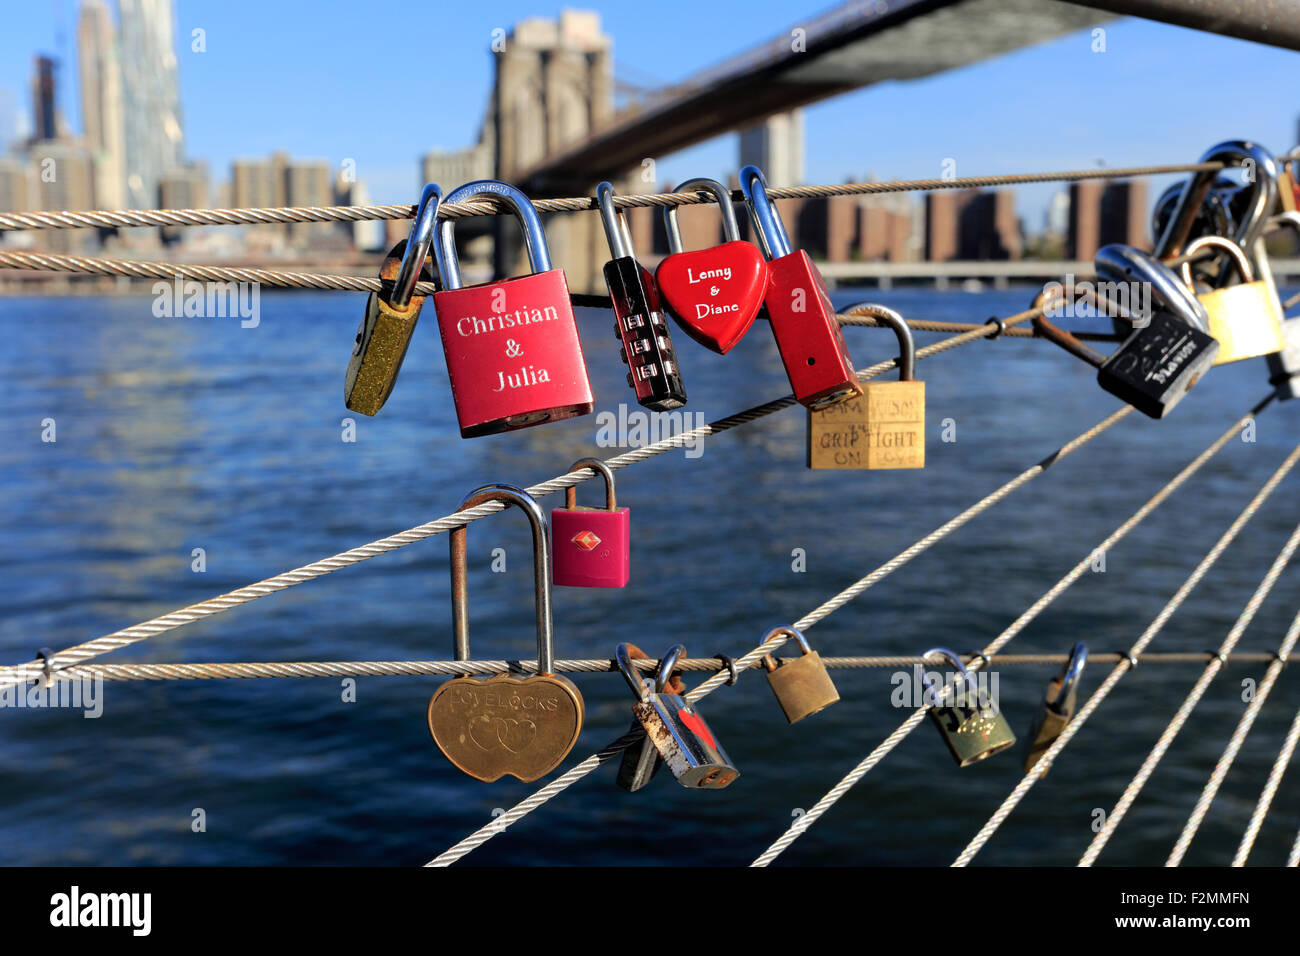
(101, 102)
(44, 111)
(153, 136)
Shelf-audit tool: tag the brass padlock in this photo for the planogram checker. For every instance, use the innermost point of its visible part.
(504, 725)
(1245, 318)
(970, 723)
(1057, 708)
(385, 331)
(884, 427)
(802, 686)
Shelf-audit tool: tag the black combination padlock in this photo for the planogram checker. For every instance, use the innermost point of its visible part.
(1168, 350)
(640, 322)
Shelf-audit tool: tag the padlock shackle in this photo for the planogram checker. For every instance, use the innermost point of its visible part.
(512, 198)
(954, 660)
(664, 672)
(768, 227)
(1291, 219)
(906, 344)
(598, 466)
(1214, 206)
(730, 227)
(417, 246)
(1263, 198)
(615, 223)
(458, 540)
(1069, 677)
(1120, 263)
(769, 663)
(1235, 253)
(1053, 333)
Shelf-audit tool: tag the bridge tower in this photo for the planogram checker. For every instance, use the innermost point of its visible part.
(554, 85)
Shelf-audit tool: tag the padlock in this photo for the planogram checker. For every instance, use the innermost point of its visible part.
(1168, 350)
(715, 293)
(504, 725)
(639, 320)
(1057, 707)
(1284, 366)
(885, 427)
(592, 545)
(1288, 189)
(802, 685)
(389, 321)
(972, 729)
(1249, 207)
(808, 335)
(1214, 218)
(678, 730)
(512, 347)
(1245, 318)
(641, 761)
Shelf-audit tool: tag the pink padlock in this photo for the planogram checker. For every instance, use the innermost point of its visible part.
(593, 546)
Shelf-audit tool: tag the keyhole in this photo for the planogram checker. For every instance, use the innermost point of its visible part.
(812, 360)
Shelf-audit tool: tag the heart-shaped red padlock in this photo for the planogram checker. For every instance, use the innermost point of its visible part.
(714, 294)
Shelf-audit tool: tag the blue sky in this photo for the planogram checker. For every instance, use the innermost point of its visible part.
(310, 77)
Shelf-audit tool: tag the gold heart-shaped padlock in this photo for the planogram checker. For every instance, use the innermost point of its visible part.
(506, 725)
(503, 725)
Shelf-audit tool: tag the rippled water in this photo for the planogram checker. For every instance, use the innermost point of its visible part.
(176, 434)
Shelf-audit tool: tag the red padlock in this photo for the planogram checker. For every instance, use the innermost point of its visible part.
(715, 293)
(592, 545)
(807, 333)
(513, 353)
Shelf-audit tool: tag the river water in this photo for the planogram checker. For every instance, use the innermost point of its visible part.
(177, 434)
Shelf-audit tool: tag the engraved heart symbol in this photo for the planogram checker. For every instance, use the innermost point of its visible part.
(515, 735)
(483, 732)
(504, 725)
(696, 724)
(714, 294)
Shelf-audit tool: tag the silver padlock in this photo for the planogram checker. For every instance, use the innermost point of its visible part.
(679, 731)
(1057, 708)
(641, 761)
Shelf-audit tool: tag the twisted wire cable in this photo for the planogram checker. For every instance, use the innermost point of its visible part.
(1180, 718)
(1224, 763)
(802, 823)
(1266, 795)
(1137, 653)
(521, 809)
(239, 670)
(94, 219)
(1293, 858)
(80, 653)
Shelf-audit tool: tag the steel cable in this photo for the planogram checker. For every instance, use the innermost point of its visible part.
(1137, 651)
(803, 822)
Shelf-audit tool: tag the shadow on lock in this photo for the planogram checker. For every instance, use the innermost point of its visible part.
(1057, 708)
(678, 730)
(802, 686)
(972, 728)
(504, 725)
(885, 427)
(389, 322)
(592, 545)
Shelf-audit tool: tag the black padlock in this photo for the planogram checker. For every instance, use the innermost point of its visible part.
(640, 321)
(1167, 352)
